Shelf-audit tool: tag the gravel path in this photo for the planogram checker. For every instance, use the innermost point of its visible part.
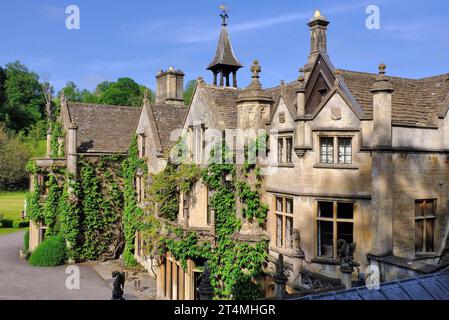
(19, 280)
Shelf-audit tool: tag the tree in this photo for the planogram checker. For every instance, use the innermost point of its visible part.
(14, 155)
(124, 92)
(2, 95)
(71, 92)
(25, 102)
(88, 97)
(188, 92)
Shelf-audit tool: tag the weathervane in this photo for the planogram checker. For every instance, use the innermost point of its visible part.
(224, 15)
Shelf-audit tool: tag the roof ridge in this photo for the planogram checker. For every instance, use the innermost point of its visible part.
(102, 105)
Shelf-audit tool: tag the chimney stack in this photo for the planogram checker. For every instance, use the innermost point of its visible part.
(170, 87)
(382, 92)
(318, 39)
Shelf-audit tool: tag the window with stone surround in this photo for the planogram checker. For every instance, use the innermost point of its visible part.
(335, 221)
(185, 205)
(197, 143)
(284, 222)
(425, 216)
(335, 150)
(285, 149)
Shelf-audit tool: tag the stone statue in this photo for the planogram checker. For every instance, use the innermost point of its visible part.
(118, 286)
(205, 289)
(297, 251)
(280, 279)
(346, 255)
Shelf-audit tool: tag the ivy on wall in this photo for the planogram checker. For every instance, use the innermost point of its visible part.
(57, 132)
(51, 207)
(234, 265)
(132, 214)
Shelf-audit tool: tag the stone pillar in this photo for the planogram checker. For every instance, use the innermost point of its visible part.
(318, 39)
(48, 153)
(300, 114)
(280, 279)
(160, 280)
(234, 78)
(382, 164)
(205, 290)
(346, 277)
(72, 156)
(60, 146)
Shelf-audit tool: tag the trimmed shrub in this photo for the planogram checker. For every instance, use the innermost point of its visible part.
(7, 223)
(20, 224)
(52, 252)
(26, 240)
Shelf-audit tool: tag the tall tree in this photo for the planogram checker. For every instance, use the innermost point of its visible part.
(124, 92)
(25, 102)
(2, 95)
(71, 92)
(188, 92)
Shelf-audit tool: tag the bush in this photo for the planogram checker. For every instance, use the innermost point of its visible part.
(26, 241)
(7, 223)
(18, 224)
(52, 252)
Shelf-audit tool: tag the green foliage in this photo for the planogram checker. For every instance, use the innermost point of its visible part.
(23, 98)
(7, 223)
(19, 224)
(69, 215)
(71, 92)
(52, 252)
(34, 208)
(132, 214)
(188, 92)
(124, 92)
(14, 155)
(98, 208)
(51, 207)
(252, 208)
(234, 265)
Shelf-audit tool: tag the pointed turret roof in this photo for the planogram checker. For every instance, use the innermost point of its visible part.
(225, 54)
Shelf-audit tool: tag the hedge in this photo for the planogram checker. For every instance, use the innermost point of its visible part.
(52, 252)
(9, 223)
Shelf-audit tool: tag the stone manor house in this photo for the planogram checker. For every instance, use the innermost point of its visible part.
(359, 157)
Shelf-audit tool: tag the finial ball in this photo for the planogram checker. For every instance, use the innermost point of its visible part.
(382, 68)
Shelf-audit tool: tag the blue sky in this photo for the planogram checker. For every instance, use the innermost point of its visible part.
(136, 38)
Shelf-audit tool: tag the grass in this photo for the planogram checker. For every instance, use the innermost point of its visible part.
(11, 206)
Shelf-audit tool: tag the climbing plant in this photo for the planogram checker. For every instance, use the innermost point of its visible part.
(132, 214)
(234, 265)
(57, 132)
(51, 207)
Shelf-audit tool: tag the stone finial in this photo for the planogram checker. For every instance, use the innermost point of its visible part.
(317, 13)
(145, 96)
(200, 80)
(301, 77)
(382, 83)
(256, 69)
(62, 98)
(382, 68)
(205, 289)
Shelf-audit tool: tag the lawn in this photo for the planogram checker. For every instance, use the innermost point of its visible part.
(11, 206)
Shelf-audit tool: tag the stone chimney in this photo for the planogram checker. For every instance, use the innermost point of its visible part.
(49, 133)
(170, 87)
(382, 92)
(382, 200)
(300, 147)
(318, 39)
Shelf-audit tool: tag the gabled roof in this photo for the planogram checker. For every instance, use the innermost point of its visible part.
(225, 54)
(103, 128)
(223, 103)
(168, 118)
(415, 102)
(429, 287)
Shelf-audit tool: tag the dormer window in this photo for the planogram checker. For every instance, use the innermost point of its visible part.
(322, 93)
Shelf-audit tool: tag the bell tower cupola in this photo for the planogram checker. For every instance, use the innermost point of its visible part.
(225, 63)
